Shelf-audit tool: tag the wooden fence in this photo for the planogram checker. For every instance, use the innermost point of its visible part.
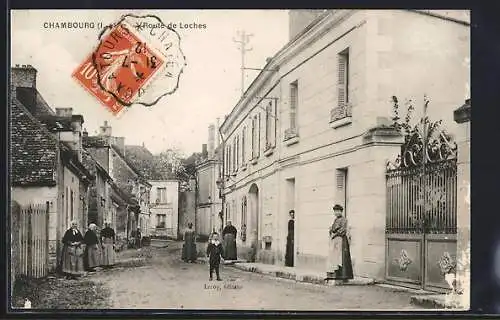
(30, 240)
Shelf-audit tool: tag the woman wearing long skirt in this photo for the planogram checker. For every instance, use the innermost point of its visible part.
(92, 256)
(339, 265)
(189, 253)
(229, 238)
(108, 246)
(72, 252)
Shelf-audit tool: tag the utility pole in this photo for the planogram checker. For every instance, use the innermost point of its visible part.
(243, 41)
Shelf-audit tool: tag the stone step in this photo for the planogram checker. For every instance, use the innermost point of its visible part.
(297, 274)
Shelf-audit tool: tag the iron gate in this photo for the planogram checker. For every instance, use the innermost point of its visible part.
(421, 220)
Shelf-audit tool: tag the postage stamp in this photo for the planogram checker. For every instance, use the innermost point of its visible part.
(130, 56)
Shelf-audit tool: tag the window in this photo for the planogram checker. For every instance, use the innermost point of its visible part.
(66, 204)
(226, 168)
(235, 155)
(244, 211)
(258, 137)
(342, 109)
(294, 100)
(343, 78)
(268, 124)
(72, 199)
(270, 136)
(237, 152)
(161, 220)
(229, 160)
(341, 196)
(243, 156)
(253, 138)
(161, 195)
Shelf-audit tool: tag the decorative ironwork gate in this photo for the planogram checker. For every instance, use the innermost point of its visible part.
(421, 220)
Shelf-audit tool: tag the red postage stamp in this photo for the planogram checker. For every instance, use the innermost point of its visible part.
(121, 66)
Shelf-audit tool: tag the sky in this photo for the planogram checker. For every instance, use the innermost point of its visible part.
(209, 87)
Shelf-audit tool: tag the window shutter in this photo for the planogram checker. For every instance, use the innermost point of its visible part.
(342, 80)
(268, 123)
(243, 145)
(341, 188)
(253, 138)
(258, 138)
(293, 104)
(237, 151)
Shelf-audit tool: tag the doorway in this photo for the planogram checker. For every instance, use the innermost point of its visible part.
(291, 245)
(253, 225)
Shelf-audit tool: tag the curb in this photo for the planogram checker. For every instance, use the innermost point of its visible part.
(307, 278)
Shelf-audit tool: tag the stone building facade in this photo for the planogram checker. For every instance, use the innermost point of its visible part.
(311, 131)
(209, 202)
(164, 207)
(46, 157)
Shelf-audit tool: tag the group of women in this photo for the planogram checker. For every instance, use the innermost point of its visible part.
(189, 251)
(339, 264)
(83, 253)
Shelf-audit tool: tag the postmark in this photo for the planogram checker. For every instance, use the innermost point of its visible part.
(137, 60)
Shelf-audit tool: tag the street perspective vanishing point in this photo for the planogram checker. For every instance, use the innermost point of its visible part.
(291, 160)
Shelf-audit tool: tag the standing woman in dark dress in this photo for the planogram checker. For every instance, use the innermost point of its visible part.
(72, 252)
(108, 246)
(339, 265)
(229, 240)
(290, 240)
(92, 256)
(189, 253)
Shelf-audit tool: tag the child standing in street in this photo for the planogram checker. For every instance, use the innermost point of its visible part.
(214, 252)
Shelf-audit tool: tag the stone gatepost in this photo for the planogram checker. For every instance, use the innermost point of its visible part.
(462, 117)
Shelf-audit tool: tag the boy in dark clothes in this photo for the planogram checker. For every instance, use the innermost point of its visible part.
(214, 252)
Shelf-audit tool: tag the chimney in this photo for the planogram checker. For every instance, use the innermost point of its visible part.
(211, 141)
(119, 142)
(76, 124)
(298, 20)
(268, 60)
(64, 112)
(23, 76)
(204, 151)
(105, 130)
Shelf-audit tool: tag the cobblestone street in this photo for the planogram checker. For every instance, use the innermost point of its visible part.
(168, 283)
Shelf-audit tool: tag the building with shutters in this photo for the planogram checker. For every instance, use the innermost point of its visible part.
(208, 201)
(313, 129)
(164, 207)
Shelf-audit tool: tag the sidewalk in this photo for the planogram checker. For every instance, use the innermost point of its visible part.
(300, 275)
(439, 301)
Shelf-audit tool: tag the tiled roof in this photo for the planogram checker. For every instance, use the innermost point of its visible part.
(139, 151)
(33, 101)
(70, 158)
(89, 162)
(93, 166)
(33, 149)
(130, 164)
